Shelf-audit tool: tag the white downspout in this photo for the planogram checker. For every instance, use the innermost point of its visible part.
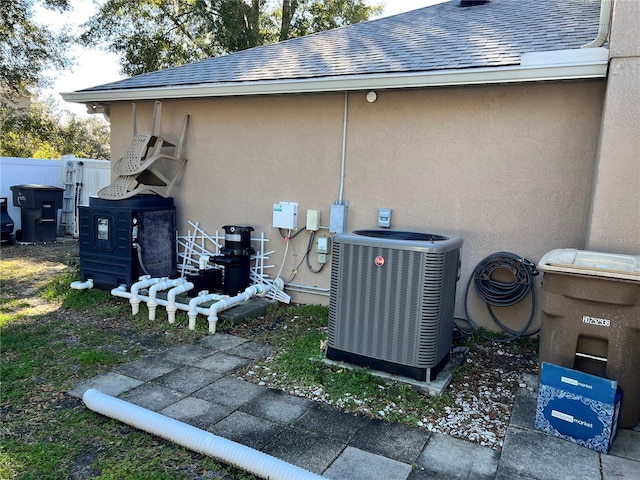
(603, 28)
(249, 292)
(241, 456)
(152, 303)
(171, 299)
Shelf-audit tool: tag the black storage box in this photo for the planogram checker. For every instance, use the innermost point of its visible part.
(121, 240)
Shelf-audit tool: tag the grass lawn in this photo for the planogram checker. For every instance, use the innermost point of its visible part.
(52, 338)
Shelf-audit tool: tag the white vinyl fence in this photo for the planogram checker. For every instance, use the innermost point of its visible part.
(81, 178)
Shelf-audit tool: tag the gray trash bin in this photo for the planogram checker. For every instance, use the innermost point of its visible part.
(39, 205)
(591, 318)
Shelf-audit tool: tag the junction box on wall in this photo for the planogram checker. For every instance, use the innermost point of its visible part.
(323, 248)
(313, 220)
(285, 215)
(338, 218)
(384, 217)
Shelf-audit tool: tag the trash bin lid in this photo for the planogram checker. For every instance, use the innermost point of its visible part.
(33, 186)
(585, 262)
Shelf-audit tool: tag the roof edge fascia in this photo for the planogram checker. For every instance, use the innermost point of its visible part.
(534, 67)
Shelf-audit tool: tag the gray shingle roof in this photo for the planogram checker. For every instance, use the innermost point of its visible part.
(440, 37)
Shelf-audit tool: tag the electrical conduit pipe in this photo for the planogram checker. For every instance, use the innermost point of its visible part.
(171, 307)
(203, 297)
(152, 303)
(241, 456)
(258, 289)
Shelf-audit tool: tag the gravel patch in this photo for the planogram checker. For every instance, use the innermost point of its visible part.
(483, 393)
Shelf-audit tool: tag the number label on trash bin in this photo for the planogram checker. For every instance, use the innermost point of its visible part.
(599, 322)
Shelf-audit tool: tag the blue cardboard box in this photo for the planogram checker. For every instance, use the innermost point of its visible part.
(578, 407)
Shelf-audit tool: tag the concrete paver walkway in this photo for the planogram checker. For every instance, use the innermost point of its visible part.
(193, 384)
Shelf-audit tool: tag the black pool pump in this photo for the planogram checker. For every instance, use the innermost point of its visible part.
(235, 258)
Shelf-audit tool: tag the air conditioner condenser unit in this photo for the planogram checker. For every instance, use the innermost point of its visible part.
(392, 300)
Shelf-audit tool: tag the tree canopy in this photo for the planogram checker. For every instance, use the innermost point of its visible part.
(150, 35)
(27, 49)
(42, 131)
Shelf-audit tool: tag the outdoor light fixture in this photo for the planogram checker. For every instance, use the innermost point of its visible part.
(102, 108)
(372, 96)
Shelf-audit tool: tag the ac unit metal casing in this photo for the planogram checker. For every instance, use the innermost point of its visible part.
(392, 300)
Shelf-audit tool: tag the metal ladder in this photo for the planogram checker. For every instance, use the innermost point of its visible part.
(71, 197)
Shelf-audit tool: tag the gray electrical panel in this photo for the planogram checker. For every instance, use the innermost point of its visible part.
(338, 217)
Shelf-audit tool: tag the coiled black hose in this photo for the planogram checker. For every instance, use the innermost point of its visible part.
(498, 293)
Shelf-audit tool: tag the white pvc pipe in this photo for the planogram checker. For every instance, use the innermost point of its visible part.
(152, 303)
(232, 453)
(249, 292)
(311, 289)
(310, 292)
(202, 297)
(203, 261)
(82, 285)
(172, 308)
(121, 291)
(134, 299)
(180, 285)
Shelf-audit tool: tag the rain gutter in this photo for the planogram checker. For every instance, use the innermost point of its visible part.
(534, 67)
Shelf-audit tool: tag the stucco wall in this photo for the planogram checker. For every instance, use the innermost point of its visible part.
(615, 223)
(505, 167)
